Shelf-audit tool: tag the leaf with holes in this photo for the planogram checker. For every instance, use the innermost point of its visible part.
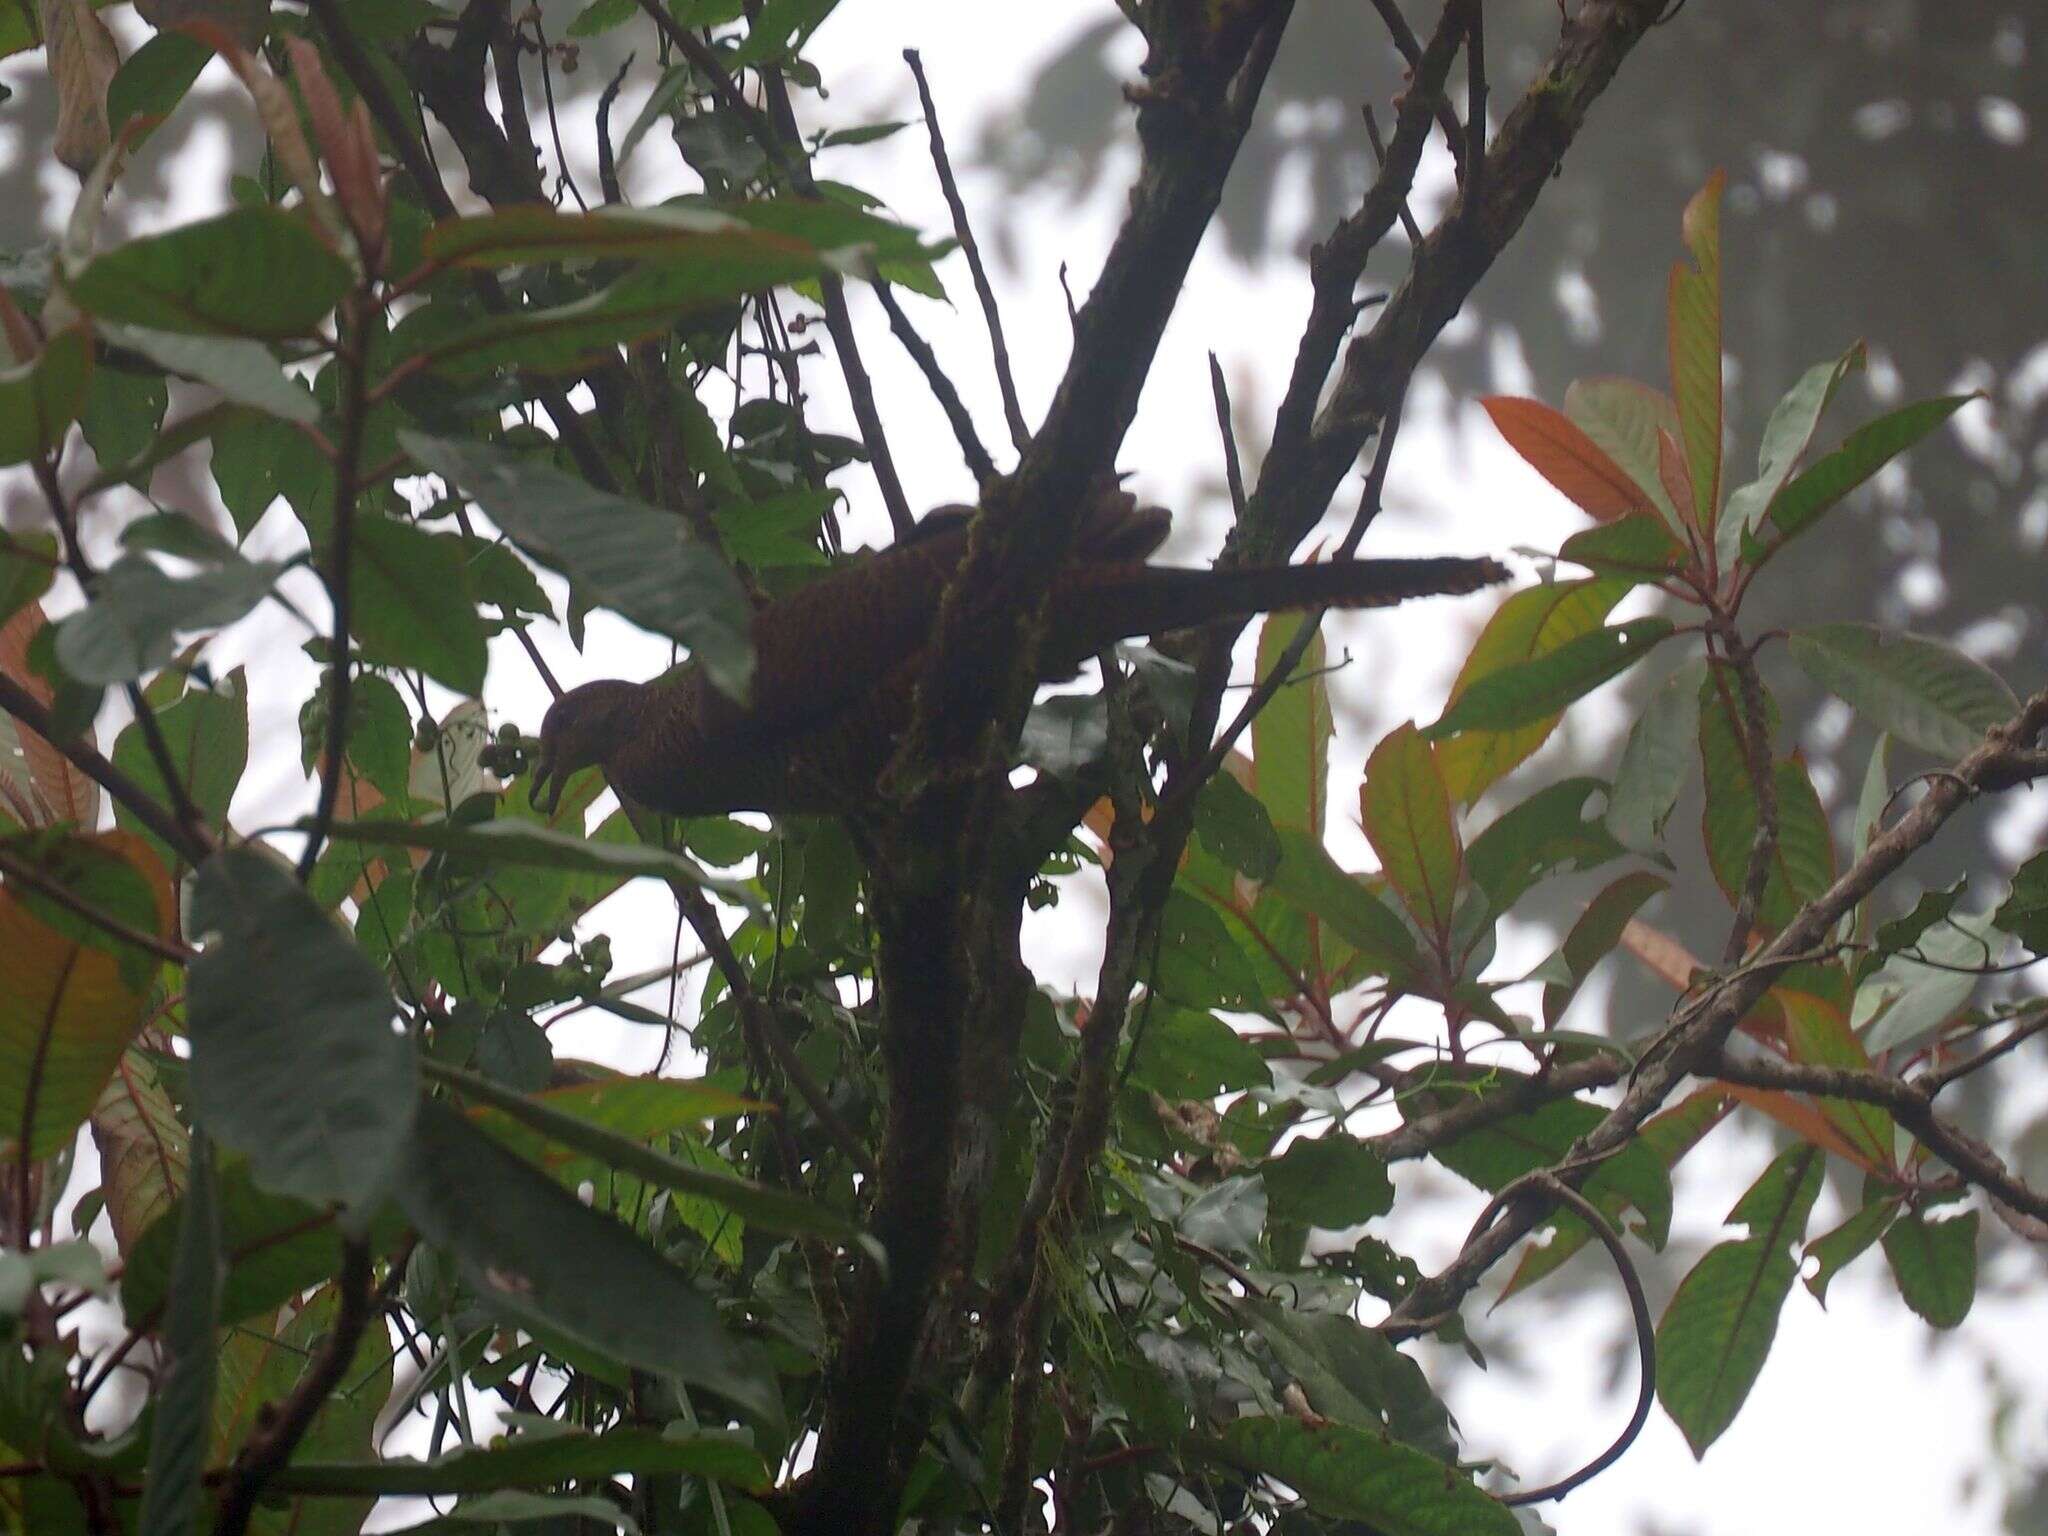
(1935, 1264)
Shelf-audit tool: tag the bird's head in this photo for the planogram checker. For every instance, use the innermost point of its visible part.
(584, 726)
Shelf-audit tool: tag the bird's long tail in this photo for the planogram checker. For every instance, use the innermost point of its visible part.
(1100, 604)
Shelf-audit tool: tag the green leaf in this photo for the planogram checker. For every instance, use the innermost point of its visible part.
(295, 1061)
(537, 1254)
(1065, 734)
(1862, 454)
(1547, 834)
(1695, 329)
(1803, 862)
(1638, 546)
(1623, 418)
(1832, 1252)
(43, 396)
(28, 564)
(1717, 1331)
(1350, 904)
(1786, 436)
(1355, 1474)
(510, 840)
(1291, 735)
(413, 605)
(717, 246)
(256, 271)
(1935, 1264)
(1327, 1181)
(601, 16)
(1921, 691)
(247, 372)
(1200, 964)
(1520, 695)
(1406, 810)
(181, 1431)
(633, 558)
(122, 413)
(379, 734)
(131, 625)
(1352, 1374)
(207, 732)
(1595, 934)
(1903, 1002)
(272, 1248)
(1234, 827)
(2024, 913)
(772, 1209)
(1185, 1054)
(1656, 760)
(535, 1458)
(1529, 625)
(155, 77)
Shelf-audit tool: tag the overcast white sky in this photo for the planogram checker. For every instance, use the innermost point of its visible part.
(1863, 1417)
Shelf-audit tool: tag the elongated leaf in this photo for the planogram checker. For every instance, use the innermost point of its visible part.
(414, 606)
(1327, 1181)
(1819, 1036)
(181, 1430)
(1803, 861)
(1919, 690)
(41, 397)
(1862, 454)
(144, 1151)
(538, 1460)
(1351, 905)
(631, 557)
(28, 564)
(1695, 328)
(1935, 1264)
(1548, 833)
(74, 994)
(1623, 418)
(1519, 695)
(1561, 453)
(1406, 810)
(1352, 1374)
(254, 271)
(1236, 828)
(1528, 625)
(2024, 913)
(1786, 436)
(1595, 934)
(1834, 1251)
(1903, 1002)
(510, 840)
(137, 612)
(1656, 760)
(155, 77)
(540, 1255)
(705, 239)
(1717, 1331)
(770, 1208)
(1354, 1474)
(1187, 1055)
(1638, 546)
(1291, 736)
(295, 1061)
(245, 371)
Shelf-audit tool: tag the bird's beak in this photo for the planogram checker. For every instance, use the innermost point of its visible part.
(544, 785)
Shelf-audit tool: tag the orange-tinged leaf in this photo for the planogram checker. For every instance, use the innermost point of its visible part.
(1407, 815)
(1818, 1035)
(1695, 336)
(144, 1150)
(1676, 477)
(1559, 451)
(60, 791)
(70, 1005)
(1529, 624)
(1802, 1119)
(1622, 417)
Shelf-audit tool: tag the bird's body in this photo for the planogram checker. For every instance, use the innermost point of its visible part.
(837, 662)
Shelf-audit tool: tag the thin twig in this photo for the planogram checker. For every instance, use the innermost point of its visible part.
(1475, 106)
(192, 846)
(340, 582)
(1379, 158)
(547, 85)
(607, 162)
(1013, 413)
(1934, 1082)
(979, 464)
(270, 1446)
(100, 918)
(1404, 40)
(759, 1019)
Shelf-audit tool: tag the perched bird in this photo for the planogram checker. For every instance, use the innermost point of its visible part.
(838, 661)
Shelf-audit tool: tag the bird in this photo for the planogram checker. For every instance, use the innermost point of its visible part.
(838, 661)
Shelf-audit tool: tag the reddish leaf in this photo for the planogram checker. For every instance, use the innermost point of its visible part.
(1564, 455)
